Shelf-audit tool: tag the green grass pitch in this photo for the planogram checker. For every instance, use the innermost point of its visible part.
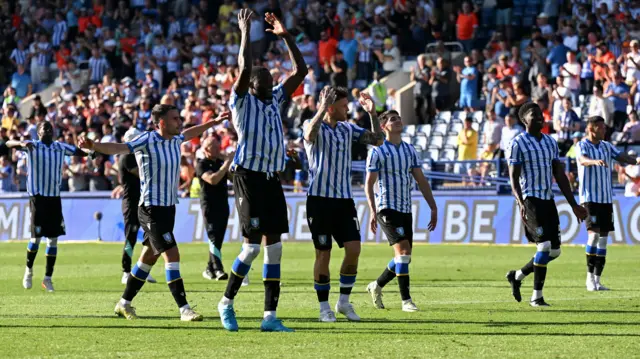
(466, 308)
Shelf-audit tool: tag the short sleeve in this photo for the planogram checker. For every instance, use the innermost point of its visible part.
(614, 151)
(179, 138)
(414, 158)
(515, 153)
(69, 150)
(200, 169)
(235, 100)
(356, 132)
(556, 152)
(373, 161)
(278, 94)
(139, 143)
(579, 149)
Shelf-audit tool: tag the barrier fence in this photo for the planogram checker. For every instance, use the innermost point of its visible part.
(471, 218)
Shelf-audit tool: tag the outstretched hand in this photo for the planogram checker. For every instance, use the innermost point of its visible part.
(85, 143)
(244, 19)
(222, 117)
(327, 97)
(278, 27)
(367, 102)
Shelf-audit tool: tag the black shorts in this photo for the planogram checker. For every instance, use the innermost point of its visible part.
(157, 223)
(216, 219)
(543, 222)
(260, 203)
(600, 216)
(46, 217)
(332, 217)
(397, 226)
(130, 214)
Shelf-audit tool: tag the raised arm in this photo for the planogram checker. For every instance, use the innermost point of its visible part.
(376, 135)
(241, 86)
(425, 189)
(625, 158)
(196, 131)
(327, 97)
(105, 148)
(23, 145)
(299, 69)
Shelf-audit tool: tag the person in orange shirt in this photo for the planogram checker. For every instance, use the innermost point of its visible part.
(327, 48)
(83, 21)
(466, 26)
(62, 56)
(601, 61)
(503, 69)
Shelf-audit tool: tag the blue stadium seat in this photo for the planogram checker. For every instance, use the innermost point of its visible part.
(434, 153)
(436, 142)
(478, 116)
(425, 129)
(409, 130)
(440, 129)
(444, 116)
(421, 141)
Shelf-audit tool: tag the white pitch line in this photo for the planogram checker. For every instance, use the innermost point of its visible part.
(551, 299)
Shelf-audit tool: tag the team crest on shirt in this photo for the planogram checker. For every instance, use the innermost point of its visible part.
(255, 222)
(310, 220)
(400, 231)
(240, 201)
(38, 229)
(322, 239)
(594, 219)
(167, 237)
(209, 227)
(539, 231)
(384, 219)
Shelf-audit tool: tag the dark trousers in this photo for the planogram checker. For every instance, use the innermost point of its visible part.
(421, 108)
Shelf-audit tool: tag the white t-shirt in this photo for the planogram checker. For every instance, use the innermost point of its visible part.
(310, 48)
(631, 188)
(571, 42)
(633, 72)
(572, 83)
(394, 64)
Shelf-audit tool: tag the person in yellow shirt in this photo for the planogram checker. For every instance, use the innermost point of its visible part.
(467, 150)
(10, 119)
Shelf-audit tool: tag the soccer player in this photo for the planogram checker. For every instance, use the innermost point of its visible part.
(129, 190)
(394, 165)
(213, 173)
(533, 163)
(158, 157)
(44, 163)
(596, 195)
(260, 156)
(331, 211)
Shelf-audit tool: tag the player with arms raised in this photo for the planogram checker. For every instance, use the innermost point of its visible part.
(158, 157)
(260, 155)
(533, 163)
(394, 166)
(595, 158)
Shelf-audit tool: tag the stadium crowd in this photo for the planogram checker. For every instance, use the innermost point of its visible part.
(141, 52)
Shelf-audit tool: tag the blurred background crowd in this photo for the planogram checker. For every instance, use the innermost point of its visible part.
(111, 61)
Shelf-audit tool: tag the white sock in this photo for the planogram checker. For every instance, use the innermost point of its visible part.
(406, 301)
(29, 270)
(184, 308)
(269, 313)
(324, 306)
(536, 294)
(47, 278)
(520, 275)
(590, 276)
(226, 301)
(596, 278)
(124, 302)
(344, 299)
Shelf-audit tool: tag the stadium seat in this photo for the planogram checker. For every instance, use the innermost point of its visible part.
(420, 141)
(459, 116)
(436, 142)
(476, 126)
(406, 138)
(455, 128)
(616, 137)
(434, 153)
(448, 155)
(444, 116)
(451, 142)
(424, 129)
(440, 129)
(478, 116)
(410, 130)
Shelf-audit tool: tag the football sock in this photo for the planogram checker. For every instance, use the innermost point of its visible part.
(127, 251)
(136, 280)
(540, 261)
(240, 269)
(388, 274)
(32, 251)
(271, 278)
(402, 271)
(215, 258)
(322, 285)
(601, 256)
(590, 251)
(347, 281)
(175, 282)
(51, 252)
(523, 272)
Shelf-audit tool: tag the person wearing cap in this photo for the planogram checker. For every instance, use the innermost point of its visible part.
(595, 163)
(618, 93)
(542, 22)
(389, 56)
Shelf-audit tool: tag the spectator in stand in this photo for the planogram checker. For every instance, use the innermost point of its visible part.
(509, 131)
(492, 132)
(10, 119)
(600, 62)
(468, 79)
(618, 94)
(10, 97)
(570, 37)
(349, 47)
(587, 73)
(542, 23)
(78, 174)
(557, 57)
(336, 68)
(378, 92)
(504, 10)
(631, 130)
(390, 57)
(421, 90)
(466, 26)
(630, 175)
(538, 54)
(504, 71)
(600, 106)
(327, 48)
(467, 150)
(565, 123)
(541, 90)
(21, 82)
(439, 81)
(6, 175)
(571, 71)
(499, 99)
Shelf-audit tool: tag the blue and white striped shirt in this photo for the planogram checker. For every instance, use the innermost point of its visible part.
(595, 181)
(19, 56)
(395, 180)
(330, 160)
(59, 30)
(260, 136)
(44, 55)
(159, 164)
(98, 68)
(536, 158)
(44, 163)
